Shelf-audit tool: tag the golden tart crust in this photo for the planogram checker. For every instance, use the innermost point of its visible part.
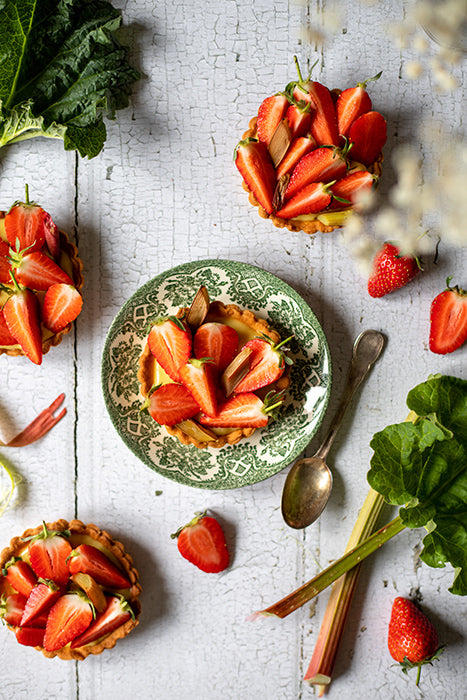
(115, 550)
(49, 340)
(217, 310)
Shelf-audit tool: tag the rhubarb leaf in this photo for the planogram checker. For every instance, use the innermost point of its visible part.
(62, 70)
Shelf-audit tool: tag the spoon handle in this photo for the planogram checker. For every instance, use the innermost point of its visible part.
(366, 350)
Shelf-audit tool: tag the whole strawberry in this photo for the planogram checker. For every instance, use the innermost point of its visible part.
(391, 270)
(412, 639)
(202, 542)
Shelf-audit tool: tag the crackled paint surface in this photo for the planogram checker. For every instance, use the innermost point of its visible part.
(165, 192)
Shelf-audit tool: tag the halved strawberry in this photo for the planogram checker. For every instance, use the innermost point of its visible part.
(20, 576)
(25, 223)
(350, 187)
(255, 165)
(448, 320)
(89, 560)
(37, 271)
(367, 135)
(242, 411)
(30, 636)
(5, 264)
(217, 341)
(197, 376)
(298, 148)
(312, 198)
(267, 364)
(68, 618)
(5, 336)
(271, 112)
(321, 165)
(44, 594)
(170, 342)
(299, 115)
(117, 612)
(352, 103)
(202, 542)
(62, 305)
(169, 404)
(48, 552)
(21, 314)
(323, 126)
(12, 608)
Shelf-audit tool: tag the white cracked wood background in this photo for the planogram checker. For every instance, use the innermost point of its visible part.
(163, 192)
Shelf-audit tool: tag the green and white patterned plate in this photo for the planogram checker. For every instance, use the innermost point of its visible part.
(268, 450)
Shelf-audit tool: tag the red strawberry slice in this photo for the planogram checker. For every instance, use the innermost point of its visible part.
(40, 600)
(30, 636)
(117, 612)
(170, 404)
(20, 576)
(68, 618)
(197, 376)
(350, 188)
(52, 237)
(299, 117)
(12, 608)
(255, 165)
(62, 305)
(170, 342)
(309, 199)
(352, 103)
(5, 265)
(448, 320)
(391, 271)
(21, 314)
(217, 341)
(5, 336)
(267, 364)
(25, 223)
(38, 271)
(321, 165)
(48, 553)
(323, 127)
(271, 112)
(90, 560)
(299, 147)
(367, 135)
(202, 542)
(243, 411)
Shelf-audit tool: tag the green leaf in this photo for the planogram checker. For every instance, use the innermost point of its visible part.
(62, 70)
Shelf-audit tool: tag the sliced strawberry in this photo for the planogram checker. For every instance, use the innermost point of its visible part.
(12, 608)
(90, 560)
(48, 553)
(312, 198)
(62, 305)
(21, 314)
(241, 411)
(52, 237)
(170, 404)
(352, 103)
(38, 271)
(298, 148)
(299, 117)
(5, 336)
(267, 364)
(202, 542)
(448, 320)
(44, 594)
(117, 612)
(170, 342)
(30, 636)
(367, 135)
(350, 187)
(321, 165)
(198, 377)
(68, 618)
(217, 341)
(25, 223)
(5, 265)
(20, 576)
(271, 112)
(255, 165)
(323, 127)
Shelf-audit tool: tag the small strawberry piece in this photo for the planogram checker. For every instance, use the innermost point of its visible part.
(30, 636)
(25, 223)
(52, 237)
(312, 198)
(44, 594)
(367, 135)
(5, 336)
(12, 608)
(20, 576)
(217, 341)
(267, 364)
(271, 112)
(412, 639)
(90, 560)
(48, 553)
(68, 618)
(448, 320)
(116, 613)
(169, 404)
(351, 187)
(352, 103)
(391, 270)
(5, 265)
(38, 271)
(255, 165)
(299, 147)
(21, 314)
(198, 377)
(321, 165)
(202, 542)
(170, 342)
(62, 305)
(299, 117)
(323, 127)
(241, 411)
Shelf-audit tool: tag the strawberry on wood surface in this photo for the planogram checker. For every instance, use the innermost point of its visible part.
(170, 342)
(198, 377)
(255, 165)
(170, 404)
(48, 552)
(367, 135)
(352, 103)
(391, 270)
(116, 613)
(89, 560)
(22, 316)
(202, 542)
(218, 342)
(62, 305)
(271, 112)
(321, 165)
(448, 320)
(68, 618)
